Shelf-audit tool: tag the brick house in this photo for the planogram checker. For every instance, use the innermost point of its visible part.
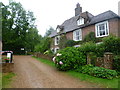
(77, 27)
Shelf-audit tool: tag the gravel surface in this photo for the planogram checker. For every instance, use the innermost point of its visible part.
(31, 73)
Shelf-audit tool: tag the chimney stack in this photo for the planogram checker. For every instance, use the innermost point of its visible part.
(78, 9)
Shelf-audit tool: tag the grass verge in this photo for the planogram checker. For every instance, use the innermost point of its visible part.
(6, 79)
(105, 83)
(48, 62)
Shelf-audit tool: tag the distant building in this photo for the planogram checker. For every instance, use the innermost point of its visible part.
(77, 27)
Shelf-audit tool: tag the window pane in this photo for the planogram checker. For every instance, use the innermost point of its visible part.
(106, 29)
(97, 30)
(77, 33)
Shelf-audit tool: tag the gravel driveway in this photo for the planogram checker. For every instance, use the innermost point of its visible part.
(31, 73)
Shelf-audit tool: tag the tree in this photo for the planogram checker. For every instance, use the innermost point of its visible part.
(44, 45)
(18, 29)
(49, 31)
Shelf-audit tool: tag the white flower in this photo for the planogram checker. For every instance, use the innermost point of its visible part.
(60, 62)
(54, 59)
(58, 54)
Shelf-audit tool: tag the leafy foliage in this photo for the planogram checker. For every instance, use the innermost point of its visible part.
(91, 37)
(71, 59)
(49, 31)
(87, 47)
(62, 42)
(103, 73)
(18, 29)
(112, 44)
(116, 63)
(44, 45)
(99, 72)
(85, 69)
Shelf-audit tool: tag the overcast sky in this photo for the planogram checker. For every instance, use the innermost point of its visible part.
(55, 12)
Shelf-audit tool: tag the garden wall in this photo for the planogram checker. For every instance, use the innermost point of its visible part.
(106, 61)
(7, 67)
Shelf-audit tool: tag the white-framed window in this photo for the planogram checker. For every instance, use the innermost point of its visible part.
(80, 21)
(102, 29)
(57, 39)
(77, 35)
(56, 49)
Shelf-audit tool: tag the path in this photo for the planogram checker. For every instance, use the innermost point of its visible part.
(31, 73)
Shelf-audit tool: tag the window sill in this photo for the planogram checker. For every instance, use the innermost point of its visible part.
(102, 36)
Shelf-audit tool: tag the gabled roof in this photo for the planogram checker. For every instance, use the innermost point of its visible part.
(103, 16)
(71, 24)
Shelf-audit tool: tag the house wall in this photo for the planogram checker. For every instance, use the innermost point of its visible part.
(69, 35)
(87, 30)
(119, 27)
(113, 27)
(53, 43)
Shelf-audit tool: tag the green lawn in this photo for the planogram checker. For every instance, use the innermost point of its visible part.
(6, 79)
(105, 83)
(50, 63)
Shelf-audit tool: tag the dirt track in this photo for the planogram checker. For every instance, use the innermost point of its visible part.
(31, 73)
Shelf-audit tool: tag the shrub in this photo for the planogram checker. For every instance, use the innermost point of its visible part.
(91, 37)
(99, 72)
(87, 47)
(62, 41)
(69, 58)
(100, 50)
(85, 69)
(92, 56)
(116, 64)
(103, 73)
(70, 43)
(43, 46)
(112, 44)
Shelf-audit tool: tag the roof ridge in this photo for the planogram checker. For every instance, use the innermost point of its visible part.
(106, 12)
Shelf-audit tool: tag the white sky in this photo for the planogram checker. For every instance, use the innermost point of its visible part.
(55, 12)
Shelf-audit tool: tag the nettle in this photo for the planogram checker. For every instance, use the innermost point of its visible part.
(69, 58)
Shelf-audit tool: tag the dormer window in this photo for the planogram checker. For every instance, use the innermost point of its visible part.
(80, 21)
(58, 30)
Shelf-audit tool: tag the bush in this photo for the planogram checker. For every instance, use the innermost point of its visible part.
(116, 64)
(43, 46)
(91, 37)
(85, 69)
(99, 72)
(70, 43)
(103, 73)
(87, 47)
(112, 44)
(100, 50)
(69, 58)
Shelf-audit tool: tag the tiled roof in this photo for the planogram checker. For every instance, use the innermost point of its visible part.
(103, 16)
(71, 24)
